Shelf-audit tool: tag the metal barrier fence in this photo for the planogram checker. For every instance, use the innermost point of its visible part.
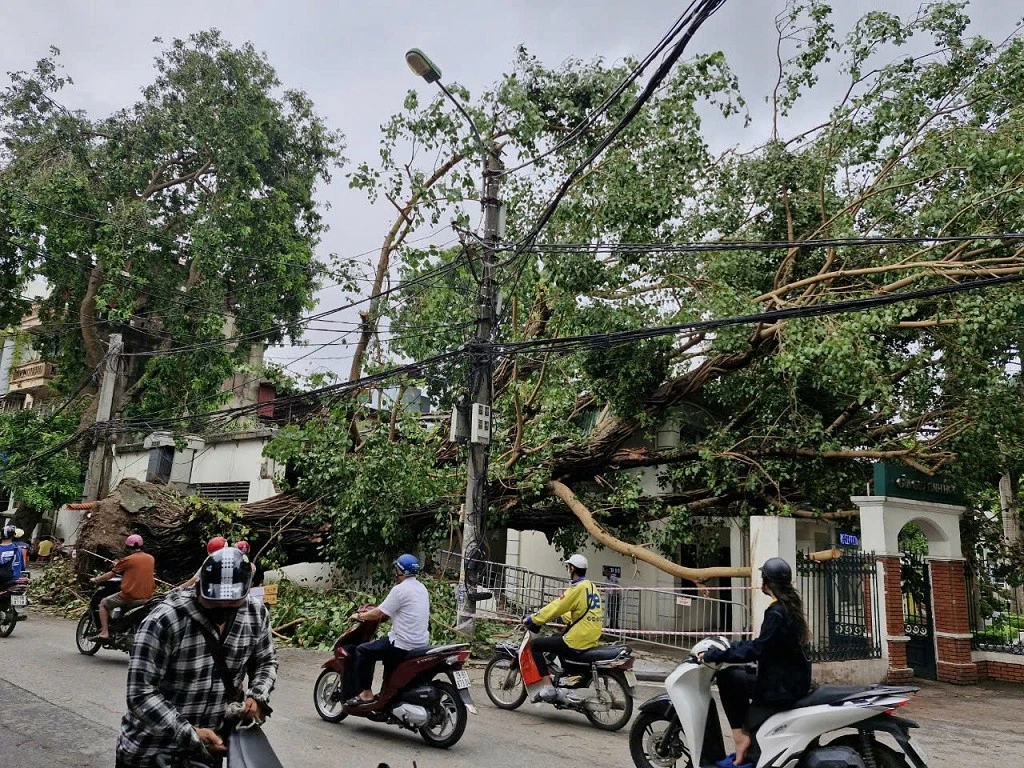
(995, 604)
(674, 618)
(841, 604)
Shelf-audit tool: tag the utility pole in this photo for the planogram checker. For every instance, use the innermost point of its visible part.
(481, 362)
(480, 375)
(95, 480)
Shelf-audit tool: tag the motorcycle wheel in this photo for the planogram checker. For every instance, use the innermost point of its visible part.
(645, 745)
(86, 626)
(8, 619)
(885, 757)
(330, 710)
(505, 689)
(451, 716)
(621, 703)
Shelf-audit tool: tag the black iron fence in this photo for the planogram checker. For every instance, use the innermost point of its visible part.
(842, 607)
(995, 601)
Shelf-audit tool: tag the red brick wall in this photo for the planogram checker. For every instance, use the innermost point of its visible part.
(1001, 670)
(899, 672)
(949, 606)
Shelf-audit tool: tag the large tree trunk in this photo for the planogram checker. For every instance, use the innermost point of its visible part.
(1009, 506)
(27, 518)
(175, 532)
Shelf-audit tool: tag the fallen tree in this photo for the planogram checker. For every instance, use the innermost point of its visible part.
(175, 527)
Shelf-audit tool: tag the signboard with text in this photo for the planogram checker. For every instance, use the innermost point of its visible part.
(906, 483)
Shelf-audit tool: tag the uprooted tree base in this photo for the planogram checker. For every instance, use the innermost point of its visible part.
(176, 527)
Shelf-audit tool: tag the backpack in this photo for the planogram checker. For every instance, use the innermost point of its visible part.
(7, 568)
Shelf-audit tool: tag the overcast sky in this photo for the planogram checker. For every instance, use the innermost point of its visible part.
(349, 57)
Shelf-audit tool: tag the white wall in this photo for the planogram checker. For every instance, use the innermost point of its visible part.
(229, 461)
(235, 462)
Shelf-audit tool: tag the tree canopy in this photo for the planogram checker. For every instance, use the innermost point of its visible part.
(180, 219)
(922, 138)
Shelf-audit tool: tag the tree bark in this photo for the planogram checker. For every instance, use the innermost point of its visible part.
(87, 318)
(1009, 507)
(697, 575)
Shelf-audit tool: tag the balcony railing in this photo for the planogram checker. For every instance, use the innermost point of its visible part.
(32, 376)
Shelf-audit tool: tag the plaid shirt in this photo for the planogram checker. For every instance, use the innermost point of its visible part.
(173, 684)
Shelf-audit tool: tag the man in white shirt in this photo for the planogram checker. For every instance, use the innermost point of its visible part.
(408, 607)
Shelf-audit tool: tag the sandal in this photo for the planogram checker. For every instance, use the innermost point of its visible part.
(356, 701)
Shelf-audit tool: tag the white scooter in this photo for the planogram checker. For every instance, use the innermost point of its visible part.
(684, 722)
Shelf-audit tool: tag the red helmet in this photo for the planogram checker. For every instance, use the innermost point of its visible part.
(243, 547)
(133, 541)
(216, 543)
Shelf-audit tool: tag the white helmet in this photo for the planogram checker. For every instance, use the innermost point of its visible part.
(577, 561)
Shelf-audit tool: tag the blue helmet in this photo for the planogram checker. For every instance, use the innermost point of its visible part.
(407, 565)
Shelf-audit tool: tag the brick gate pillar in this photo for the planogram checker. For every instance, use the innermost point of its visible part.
(952, 622)
(895, 637)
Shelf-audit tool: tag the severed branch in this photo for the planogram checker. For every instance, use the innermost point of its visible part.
(578, 508)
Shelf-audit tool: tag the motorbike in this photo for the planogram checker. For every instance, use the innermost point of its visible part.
(123, 623)
(599, 682)
(13, 597)
(815, 733)
(427, 692)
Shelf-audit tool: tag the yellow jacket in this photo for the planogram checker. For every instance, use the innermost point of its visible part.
(580, 608)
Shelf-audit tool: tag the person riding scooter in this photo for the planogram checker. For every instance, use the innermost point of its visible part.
(581, 609)
(408, 607)
(10, 558)
(783, 673)
(138, 582)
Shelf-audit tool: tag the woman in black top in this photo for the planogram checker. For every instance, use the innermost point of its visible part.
(783, 668)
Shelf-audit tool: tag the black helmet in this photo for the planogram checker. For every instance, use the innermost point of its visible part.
(777, 571)
(9, 532)
(225, 576)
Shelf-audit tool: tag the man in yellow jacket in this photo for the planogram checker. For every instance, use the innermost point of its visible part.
(580, 610)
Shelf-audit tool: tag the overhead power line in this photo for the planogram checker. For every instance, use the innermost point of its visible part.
(604, 340)
(714, 246)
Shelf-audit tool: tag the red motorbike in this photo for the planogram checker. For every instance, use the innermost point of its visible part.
(12, 597)
(427, 692)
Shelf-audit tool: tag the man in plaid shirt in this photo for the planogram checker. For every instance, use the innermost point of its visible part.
(177, 698)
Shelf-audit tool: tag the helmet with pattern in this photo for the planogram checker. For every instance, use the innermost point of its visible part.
(225, 577)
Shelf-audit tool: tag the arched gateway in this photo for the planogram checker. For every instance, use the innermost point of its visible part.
(925, 595)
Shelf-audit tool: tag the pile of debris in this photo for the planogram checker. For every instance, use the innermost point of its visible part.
(175, 529)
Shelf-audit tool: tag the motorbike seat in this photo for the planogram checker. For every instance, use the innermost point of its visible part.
(435, 650)
(601, 653)
(831, 694)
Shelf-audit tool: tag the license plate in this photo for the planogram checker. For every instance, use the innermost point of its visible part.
(630, 678)
(461, 678)
(19, 601)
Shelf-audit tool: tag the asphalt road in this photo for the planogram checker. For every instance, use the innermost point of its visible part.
(60, 708)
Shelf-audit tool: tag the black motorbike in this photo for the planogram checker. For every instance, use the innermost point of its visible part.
(13, 597)
(123, 623)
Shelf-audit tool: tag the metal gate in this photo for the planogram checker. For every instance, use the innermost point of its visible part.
(917, 615)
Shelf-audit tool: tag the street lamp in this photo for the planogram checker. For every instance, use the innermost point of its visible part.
(421, 64)
(482, 363)
(423, 67)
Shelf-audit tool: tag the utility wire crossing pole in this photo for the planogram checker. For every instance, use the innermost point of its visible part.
(94, 478)
(481, 362)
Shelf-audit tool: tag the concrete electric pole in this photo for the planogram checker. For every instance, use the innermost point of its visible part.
(481, 370)
(95, 481)
(481, 362)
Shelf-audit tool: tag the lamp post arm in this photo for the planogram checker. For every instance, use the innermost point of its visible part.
(465, 114)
